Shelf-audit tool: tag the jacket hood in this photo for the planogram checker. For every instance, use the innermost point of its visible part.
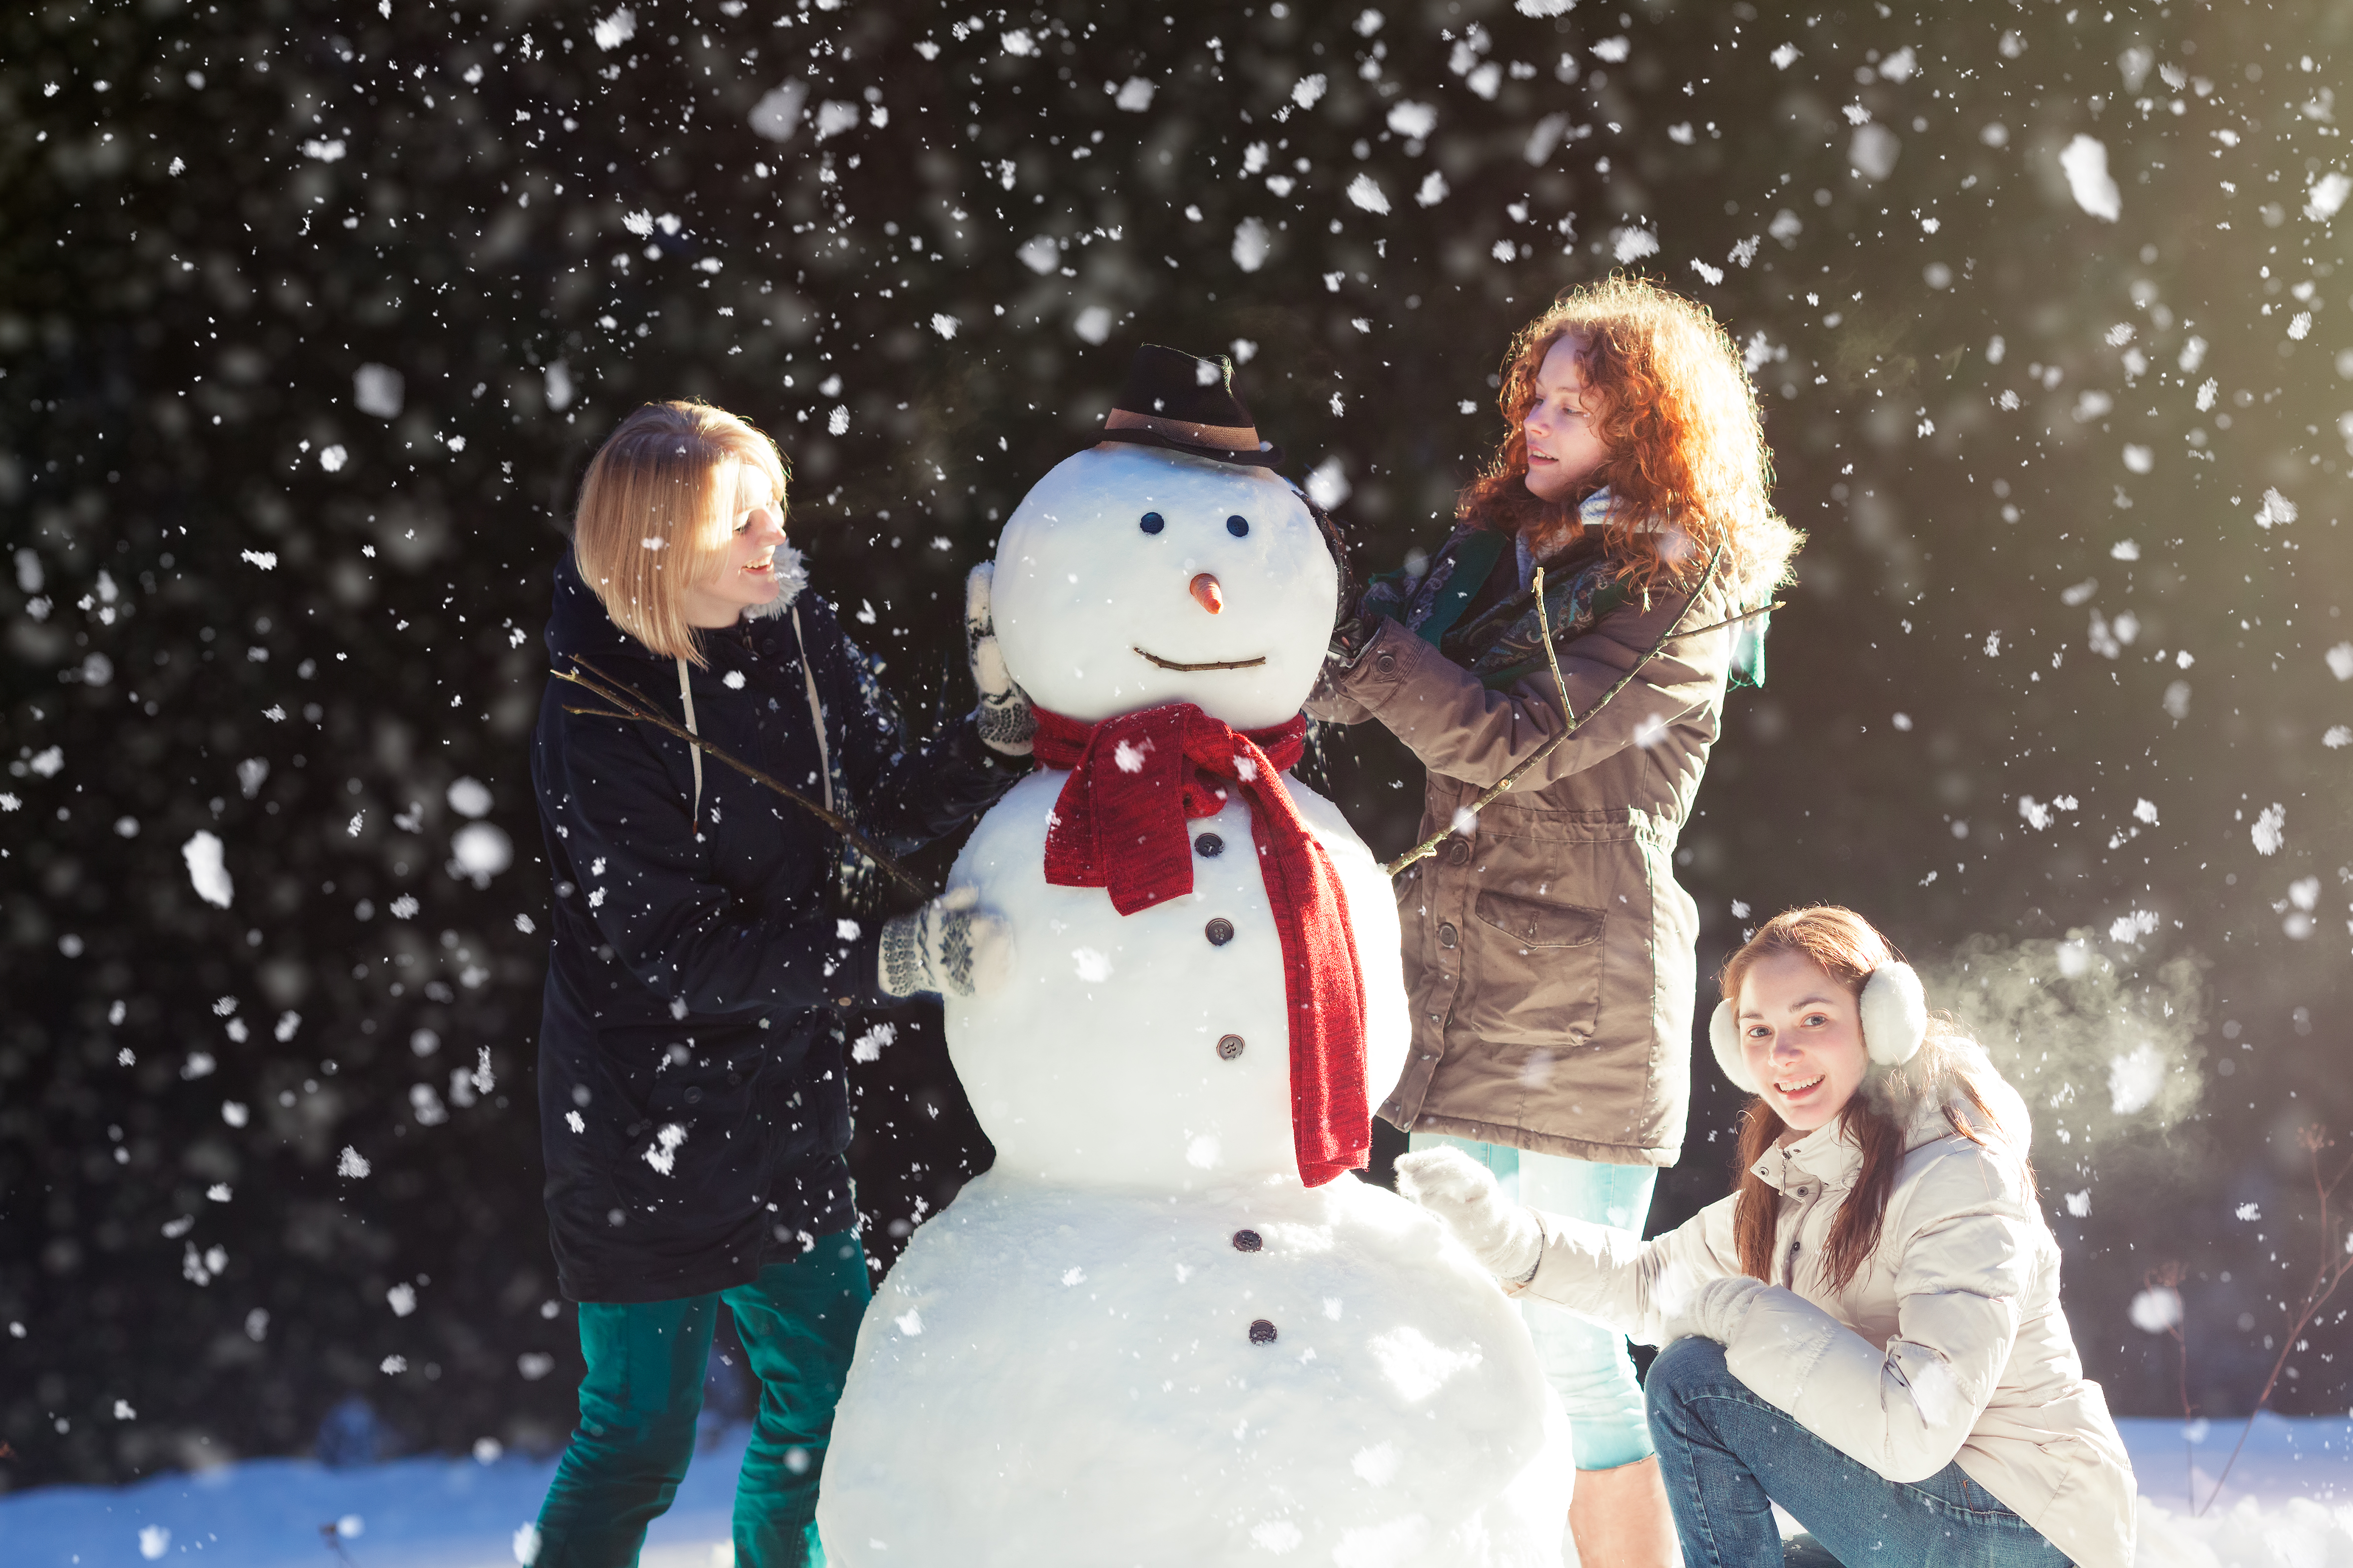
(577, 624)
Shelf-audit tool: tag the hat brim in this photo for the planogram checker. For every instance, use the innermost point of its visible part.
(1264, 458)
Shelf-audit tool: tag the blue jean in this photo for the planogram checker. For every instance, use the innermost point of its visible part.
(1728, 1456)
(798, 1321)
(1586, 1365)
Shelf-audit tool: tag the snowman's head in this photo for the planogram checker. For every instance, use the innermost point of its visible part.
(1132, 576)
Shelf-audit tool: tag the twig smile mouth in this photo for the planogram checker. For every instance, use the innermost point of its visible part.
(1214, 664)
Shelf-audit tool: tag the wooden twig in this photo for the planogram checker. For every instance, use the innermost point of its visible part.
(634, 704)
(2167, 1276)
(1552, 657)
(1735, 620)
(1570, 721)
(2332, 1272)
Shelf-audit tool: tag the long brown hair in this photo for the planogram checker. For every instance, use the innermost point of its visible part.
(644, 531)
(1845, 947)
(1675, 409)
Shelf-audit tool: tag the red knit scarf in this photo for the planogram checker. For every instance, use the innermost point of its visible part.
(1119, 825)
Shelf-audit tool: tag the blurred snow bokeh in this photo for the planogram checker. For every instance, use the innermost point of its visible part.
(2047, 311)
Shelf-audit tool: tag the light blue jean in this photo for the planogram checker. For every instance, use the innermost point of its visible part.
(1586, 1365)
(1728, 1456)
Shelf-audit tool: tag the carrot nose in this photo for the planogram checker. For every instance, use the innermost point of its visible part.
(1206, 589)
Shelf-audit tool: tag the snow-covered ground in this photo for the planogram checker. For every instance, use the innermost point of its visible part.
(2288, 1504)
(405, 1513)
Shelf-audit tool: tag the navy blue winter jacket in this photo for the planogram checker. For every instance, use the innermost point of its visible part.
(693, 1104)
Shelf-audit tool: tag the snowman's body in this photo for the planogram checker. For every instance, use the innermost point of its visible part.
(1100, 1064)
(1140, 1339)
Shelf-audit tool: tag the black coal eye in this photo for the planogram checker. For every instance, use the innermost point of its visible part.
(1153, 522)
(1237, 526)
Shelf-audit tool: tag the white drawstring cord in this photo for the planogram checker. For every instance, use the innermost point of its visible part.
(817, 716)
(817, 713)
(694, 752)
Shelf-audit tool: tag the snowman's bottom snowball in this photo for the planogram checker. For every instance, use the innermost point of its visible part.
(1058, 1377)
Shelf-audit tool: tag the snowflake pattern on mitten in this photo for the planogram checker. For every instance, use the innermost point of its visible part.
(955, 952)
(905, 972)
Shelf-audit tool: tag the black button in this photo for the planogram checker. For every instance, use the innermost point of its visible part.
(1153, 522)
(1229, 1046)
(1458, 851)
(1237, 526)
(1446, 934)
(1261, 1331)
(1219, 931)
(1210, 844)
(1248, 1241)
(693, 1096)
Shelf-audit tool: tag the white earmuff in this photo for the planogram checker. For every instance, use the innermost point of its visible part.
(1894, 1016)
(1724, 1034)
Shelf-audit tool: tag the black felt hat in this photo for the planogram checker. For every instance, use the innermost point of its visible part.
(1186, 403)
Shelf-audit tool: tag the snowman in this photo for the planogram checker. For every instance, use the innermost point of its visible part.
(1171, 1326)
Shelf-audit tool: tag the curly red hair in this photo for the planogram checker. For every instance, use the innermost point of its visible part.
(1672, 403)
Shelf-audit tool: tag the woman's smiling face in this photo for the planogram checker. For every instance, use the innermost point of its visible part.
(1801, 1035)
(743, 574)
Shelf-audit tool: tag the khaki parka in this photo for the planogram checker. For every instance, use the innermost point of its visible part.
(1948, 1345)
(1549, 949)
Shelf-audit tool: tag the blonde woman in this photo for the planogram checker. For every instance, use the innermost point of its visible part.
(1868, 1332)
(692, 1105)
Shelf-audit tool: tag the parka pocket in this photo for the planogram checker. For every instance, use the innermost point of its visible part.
(1537, 924)
(1533, 974)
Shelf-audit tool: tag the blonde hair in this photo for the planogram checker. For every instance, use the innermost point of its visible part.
(1674, 407)
(642, 535)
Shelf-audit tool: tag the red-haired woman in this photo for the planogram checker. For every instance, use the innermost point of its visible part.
(1868, 1332)
(1548, 951)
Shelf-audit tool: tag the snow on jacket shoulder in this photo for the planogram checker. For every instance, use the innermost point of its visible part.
(1948, 1344)
(692, 1102)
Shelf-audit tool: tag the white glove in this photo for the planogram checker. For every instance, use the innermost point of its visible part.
(1462, 1195)
(1715, 1310)
(951, 945)
(1004, 716)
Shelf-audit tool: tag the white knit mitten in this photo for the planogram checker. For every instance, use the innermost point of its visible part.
(1714, 1309)
(1464, 1194)
(951, 946)
(1005, 718)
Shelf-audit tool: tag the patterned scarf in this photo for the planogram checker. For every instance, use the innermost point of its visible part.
(1505, 643)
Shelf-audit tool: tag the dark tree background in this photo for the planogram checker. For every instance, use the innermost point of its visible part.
(309, 314)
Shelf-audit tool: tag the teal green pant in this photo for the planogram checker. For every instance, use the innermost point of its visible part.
(798, 1321)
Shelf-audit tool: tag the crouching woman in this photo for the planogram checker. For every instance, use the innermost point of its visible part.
(692, 1105)
(1868, 1330)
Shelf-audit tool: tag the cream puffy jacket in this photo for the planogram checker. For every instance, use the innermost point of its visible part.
(1948, 1344)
